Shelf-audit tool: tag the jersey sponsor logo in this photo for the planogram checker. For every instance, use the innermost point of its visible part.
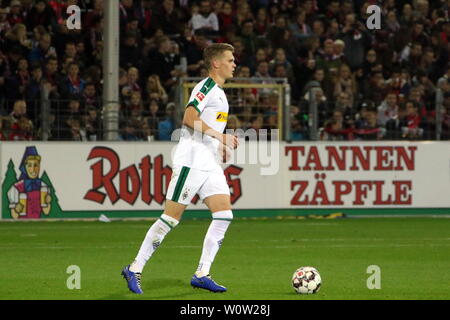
(222, 117)
(200, 96)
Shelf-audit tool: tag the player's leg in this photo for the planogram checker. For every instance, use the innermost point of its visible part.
(170, 218)
(182, 187)
(220, 207)
(153, 239)
(177, 199)
(216, 196)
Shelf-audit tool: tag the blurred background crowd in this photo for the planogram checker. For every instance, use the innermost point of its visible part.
(390, 83)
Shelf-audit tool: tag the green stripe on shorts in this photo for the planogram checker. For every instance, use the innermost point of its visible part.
(180, 183)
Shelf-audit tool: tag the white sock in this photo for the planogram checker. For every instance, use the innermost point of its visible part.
(213, 240)
(152, 241)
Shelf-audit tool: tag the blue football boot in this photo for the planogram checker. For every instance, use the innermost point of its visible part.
(133, 280)
(206, 283)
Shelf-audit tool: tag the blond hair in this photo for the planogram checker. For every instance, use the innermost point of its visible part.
(33, 157)
(213, 51)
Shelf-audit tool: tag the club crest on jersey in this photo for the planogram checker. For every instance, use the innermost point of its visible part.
(222, 117)
(200, 96)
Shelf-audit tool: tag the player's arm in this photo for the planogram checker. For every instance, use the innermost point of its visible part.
(192, 120)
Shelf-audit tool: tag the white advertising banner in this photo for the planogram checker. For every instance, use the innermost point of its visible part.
(77, 177)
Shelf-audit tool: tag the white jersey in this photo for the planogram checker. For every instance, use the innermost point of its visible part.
(196, 150)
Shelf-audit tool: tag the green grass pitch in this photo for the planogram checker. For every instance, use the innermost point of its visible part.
(256, 261)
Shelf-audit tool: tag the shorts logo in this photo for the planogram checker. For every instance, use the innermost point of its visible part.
(222, 117)
(200, 96)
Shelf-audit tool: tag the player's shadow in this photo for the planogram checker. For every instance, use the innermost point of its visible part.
(151, 289)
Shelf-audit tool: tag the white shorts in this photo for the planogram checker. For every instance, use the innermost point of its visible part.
(187, 182)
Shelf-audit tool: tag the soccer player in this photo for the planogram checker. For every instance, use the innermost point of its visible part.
(196, 170)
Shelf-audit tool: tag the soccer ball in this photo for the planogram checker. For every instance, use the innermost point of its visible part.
(306, 280)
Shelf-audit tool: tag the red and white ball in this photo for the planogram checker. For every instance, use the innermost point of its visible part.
(306, 280)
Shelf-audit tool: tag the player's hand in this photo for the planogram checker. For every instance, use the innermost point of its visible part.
(226, 153)
(230, 141)
(48, 199)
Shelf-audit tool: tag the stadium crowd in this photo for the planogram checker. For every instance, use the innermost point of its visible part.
(373, 84)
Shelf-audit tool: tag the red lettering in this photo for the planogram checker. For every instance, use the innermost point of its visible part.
(162, 174)
(320, 192)
(146, 167)
(338, 160)
(294, 158)
(234, 184)
(402, 195)
(379, 194)
(341, 188)
(99, 179)
(301, 190)
(126, 175)
(364, 162)
(408, 160)
(383, 157)
(361, 192)
(313, 158)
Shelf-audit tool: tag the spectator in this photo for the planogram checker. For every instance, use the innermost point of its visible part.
(370, 62)
(261, 22)
(72, 84)
(89, 97)
(278, 35)
(22, 130)
(168, 18)
(19, 110)
(388, 110)
(299, 124)
(93, 124)
(233, 123)
(299, 28)
(133, 80)
(135, 106)
(161, 63)
(43, 51)
(17, 83)
(225, 16)
(15, 13)
(328, 61)
(368, 128)
(41, 14)
(167, 126)
(155, 91)
(243, 13)
(345, 82)
(249, 38)
(33, 88)
(356, 39)
(280, 59)
(338, 49)
(323, 108)
(5, 26)
(411, 129)
(205, 20)
(151, 119)
(129, 52)
(335, 129)
(17, 37)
